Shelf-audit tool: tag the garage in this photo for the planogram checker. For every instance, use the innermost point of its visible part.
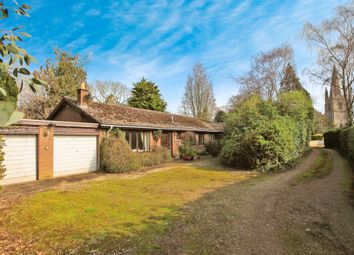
(74, 155)
(20, 159)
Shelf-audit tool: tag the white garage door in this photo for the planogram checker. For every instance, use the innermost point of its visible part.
(20, 158)
(74, 155)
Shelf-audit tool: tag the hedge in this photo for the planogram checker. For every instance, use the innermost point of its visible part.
(341, 140)
(331, 139)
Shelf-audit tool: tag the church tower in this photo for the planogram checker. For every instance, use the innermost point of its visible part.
(334, 103)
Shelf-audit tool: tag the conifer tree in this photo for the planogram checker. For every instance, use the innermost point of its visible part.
(146, 95)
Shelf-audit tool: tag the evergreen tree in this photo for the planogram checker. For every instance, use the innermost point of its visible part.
(291, 82)
(220, 116)
(146, 95)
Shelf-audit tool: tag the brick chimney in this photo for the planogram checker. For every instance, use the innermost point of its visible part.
(82, 95)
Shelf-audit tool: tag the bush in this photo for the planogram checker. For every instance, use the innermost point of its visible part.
(158, 156)
(317, 137)
(117, 156)
(263, 135)
(187, 151)
(331, 139)
(213, 148)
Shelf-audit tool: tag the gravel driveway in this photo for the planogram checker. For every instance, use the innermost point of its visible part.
(270, 215)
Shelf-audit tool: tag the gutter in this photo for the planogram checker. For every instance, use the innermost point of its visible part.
(160, 128)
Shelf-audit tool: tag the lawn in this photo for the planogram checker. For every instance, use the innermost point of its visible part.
(113, 215)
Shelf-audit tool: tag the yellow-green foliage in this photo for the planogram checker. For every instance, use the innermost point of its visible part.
(135, 208)
(264, 135)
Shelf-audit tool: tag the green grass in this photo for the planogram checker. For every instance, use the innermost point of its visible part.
(113, 214)
(321, 167)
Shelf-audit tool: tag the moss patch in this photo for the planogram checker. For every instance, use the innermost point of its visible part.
(112, 215)
(319, 169)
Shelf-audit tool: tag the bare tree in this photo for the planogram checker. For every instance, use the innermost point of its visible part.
(334, 40)
(199, 98)
(267, 72)
(236, 101)
(34, 105)
(111, 92)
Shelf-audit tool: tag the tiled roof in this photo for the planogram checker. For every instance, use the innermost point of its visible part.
(125, 116)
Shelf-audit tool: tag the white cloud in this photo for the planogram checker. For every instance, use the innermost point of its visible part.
(78, 6)
(93, 12)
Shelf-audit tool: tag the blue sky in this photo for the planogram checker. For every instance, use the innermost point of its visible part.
(161, 40)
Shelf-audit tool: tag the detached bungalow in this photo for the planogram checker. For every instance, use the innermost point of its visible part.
(144, 128)
(68, 142)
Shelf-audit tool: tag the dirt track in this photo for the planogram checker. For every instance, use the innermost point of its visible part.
(270, 216)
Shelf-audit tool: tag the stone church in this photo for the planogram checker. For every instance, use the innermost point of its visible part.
(334, 102)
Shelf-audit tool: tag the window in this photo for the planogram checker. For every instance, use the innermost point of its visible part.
(201, 139)
(141, 141)
(138, 140)
(179, 135)
(211, 137)
(166, 139)
(193, 139)
(133, 140)
(147, 136)
(127, 136)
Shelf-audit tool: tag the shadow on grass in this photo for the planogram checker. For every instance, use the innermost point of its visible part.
(200, 227)
(140, 242)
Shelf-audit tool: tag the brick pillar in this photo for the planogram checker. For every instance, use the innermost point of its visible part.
(101, 134)
(45, 152)
(174, 144)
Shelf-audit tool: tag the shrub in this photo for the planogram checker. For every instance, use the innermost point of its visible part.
(187, 151)
(213, 148)
(157, 156)
(117, 156)
(264, 135)
(331, 139)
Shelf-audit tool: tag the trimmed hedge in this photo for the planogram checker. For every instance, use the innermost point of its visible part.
(331, 139)
(341, 140)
